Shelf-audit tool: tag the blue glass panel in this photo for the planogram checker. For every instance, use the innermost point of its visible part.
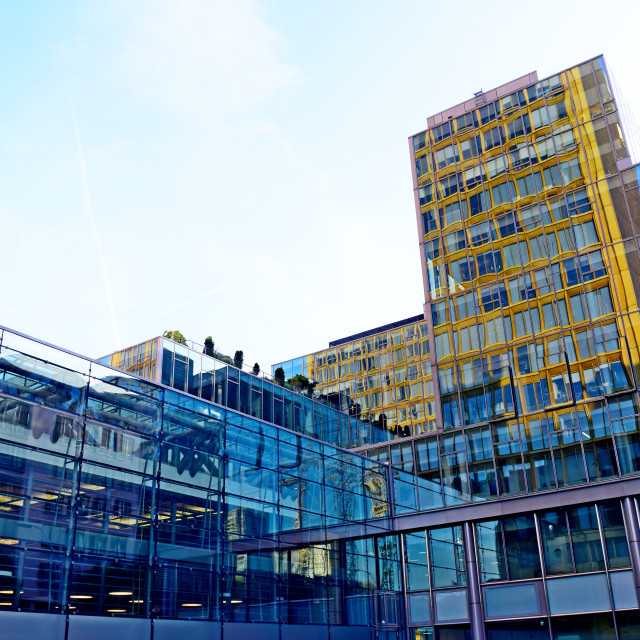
(628, 624)
(251, 481)
(291, 490)
(36, 425)
(415, 548)
(35, 492)
(251, 445)
(249, 518)
(358, 609)
(591, 627)
(113, 512)
(417, 576)
(624, 590)
(420, 607)
(404, 491)
(297, 364)
(512, 600)
(114, 446)
(289, 519)
(100, 582)
(167, 364)
(342, 475)
(518, 630)
(447, 557)
(423, 633)
(39, 576)
(42, 382)
(388, 563)
(578, 594)
(189, 523)
(186, 464)
(429, 494)
(245, 392)
(300, 456)
(376, 492)
(451, 605)
(185, 590)
(355, 504)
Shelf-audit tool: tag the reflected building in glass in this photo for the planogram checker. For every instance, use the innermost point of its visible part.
(472, 472)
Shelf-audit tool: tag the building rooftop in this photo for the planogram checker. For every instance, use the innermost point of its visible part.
(371, 332)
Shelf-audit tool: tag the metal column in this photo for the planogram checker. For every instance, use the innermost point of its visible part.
(473, 583)
(633, 537)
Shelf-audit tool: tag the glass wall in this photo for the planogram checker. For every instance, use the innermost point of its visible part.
(595, 443)
(120, 497)
(123, 498)
(383, 377)
(211, 379)
(558, 565)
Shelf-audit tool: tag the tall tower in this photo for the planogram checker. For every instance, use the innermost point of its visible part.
(528, 213)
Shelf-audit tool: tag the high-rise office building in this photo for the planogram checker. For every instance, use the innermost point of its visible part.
(470, 472)
(527, 206)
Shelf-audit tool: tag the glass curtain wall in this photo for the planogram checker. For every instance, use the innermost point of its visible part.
(119, 497)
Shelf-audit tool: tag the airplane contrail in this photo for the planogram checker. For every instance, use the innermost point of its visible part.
(88, 208)
(208, 293)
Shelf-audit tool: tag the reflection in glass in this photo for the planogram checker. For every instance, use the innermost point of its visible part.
(446, 551)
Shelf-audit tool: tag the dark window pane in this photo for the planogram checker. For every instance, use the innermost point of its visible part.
(585, 537)
(521, 543)
(614, 536)
(555, 542)
(594, 627)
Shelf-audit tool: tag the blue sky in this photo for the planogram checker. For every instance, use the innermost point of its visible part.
(247, 168)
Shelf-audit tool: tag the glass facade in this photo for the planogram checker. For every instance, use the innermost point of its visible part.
(127, 502)
(140, 359)
(529, 249)
(124, 498)
(527, 205)
(383, 377)
(469, 473)
(187, 369)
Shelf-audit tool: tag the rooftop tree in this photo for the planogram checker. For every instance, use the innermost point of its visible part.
(208, 346)
(176, 336)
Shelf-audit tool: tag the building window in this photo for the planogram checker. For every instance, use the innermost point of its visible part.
(447, 155)
(481, 233)
(441, 132)
(492, 138)
(466, 121)
(420, 141)
(502, 193)
(530, 184)
(465, 305)
(599, 302)
(447, 557)
(422, 165)
(585, 234)
(429, 222)
(469, 148)
(489, 262)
